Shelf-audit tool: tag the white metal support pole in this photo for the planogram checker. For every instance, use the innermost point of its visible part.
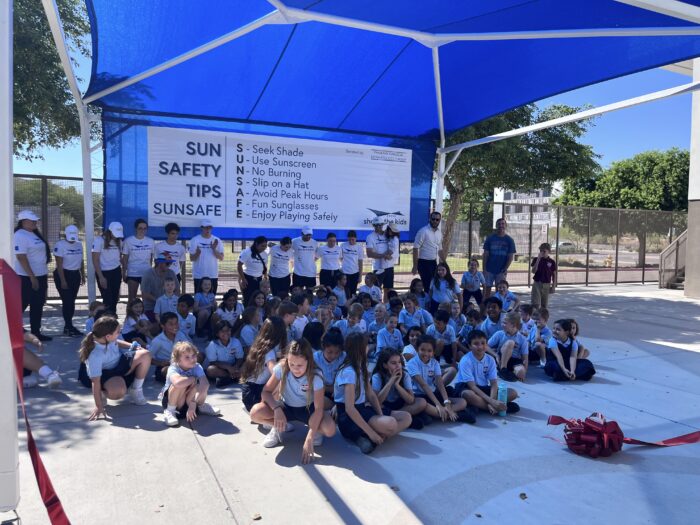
(9, 458)
(692, 253)
(440, 183)
(54, 19)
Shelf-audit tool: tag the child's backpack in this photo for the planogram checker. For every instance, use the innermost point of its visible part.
(597, 437)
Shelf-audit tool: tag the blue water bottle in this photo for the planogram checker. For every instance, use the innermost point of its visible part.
(502, 396)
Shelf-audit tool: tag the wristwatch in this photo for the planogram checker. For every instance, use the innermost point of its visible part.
(447, 402)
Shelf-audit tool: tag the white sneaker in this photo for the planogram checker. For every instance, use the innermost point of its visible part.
(543, 362)
(208, 410)
(54, 380)
(267, 427)
(318, 440)
(272, 439)
(30, 381)
(137, 397)
(170, 418)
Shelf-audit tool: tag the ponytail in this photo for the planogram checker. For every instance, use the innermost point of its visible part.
(86, 347)
(103, 326)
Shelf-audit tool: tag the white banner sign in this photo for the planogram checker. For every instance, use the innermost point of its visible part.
(256, 181)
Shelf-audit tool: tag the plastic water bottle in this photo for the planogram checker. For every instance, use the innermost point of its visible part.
(502, 396)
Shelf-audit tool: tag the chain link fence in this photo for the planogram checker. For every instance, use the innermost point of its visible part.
(590, 245)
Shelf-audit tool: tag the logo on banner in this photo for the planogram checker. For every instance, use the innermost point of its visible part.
(387, 217)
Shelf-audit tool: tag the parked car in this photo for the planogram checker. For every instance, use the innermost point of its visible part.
(567, 247)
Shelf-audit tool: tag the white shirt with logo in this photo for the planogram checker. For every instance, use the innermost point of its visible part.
(71, 253)
(27, 243)
(279, 261)
(172, 252)
(304, 257)
(206, 265)
(140, 252)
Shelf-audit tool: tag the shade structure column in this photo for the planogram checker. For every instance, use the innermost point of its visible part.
(9, 459)
(692, 258)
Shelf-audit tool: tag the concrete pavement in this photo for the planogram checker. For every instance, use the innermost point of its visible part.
(645, 344)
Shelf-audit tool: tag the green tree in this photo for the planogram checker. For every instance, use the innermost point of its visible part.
(44, 112)
(653, 180)
(523, 163)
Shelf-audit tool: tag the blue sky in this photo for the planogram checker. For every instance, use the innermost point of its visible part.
(658, 125)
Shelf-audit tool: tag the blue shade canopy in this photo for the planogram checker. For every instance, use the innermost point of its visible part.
(314, 67)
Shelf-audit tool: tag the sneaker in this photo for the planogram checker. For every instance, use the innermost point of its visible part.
(512, 407)
(318, 440)
(425, 418)
(170, 418)
(30, 381)
(366, 446)
(267, 427)
(137, 397)
(43, 338)
(208, 410)
(507, 375)
(466, 416)
(54, 380)
(416, 423)
(543, 362)
(272, 439)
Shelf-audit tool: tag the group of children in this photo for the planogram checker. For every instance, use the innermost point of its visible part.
(371, 364)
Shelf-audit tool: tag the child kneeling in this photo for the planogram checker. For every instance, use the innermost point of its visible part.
(477, 381)
(185, 392)
(301, 390)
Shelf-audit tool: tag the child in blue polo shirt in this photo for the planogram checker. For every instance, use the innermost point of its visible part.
(413, 315)
(389, 337)
(329, 360)
(539, 336)
(508, 299)
(225, 355)
(446, 344)
(477, 381)
(494, 316)
(168, 301)
(443, 288)
(510, 348)
(161, 347)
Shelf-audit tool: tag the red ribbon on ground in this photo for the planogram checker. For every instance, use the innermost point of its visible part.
(597, 437)
(13, 304)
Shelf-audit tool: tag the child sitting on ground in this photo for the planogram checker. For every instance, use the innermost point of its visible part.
(188, 324)
(229, 309)
(161, 348)
(457, 318)
(95, 308)
(185, 391)
(583, 352)
(413, 315)
(246, 328)
(225, 355)
(137, 327)
(370, 288)
(446, 344)
(510, 349)
(473, 321)
(410, 349)
(428, 383)
(540, 335)
(422, 298)
(563, 363)
(329, 360)
(509, 300)
(354, 323)
(294, 392)
(526, 322)
(261, 359)
(390, 336)
(168, 301)
(494, 316)
(204, 306)
(477, 381)
(380, 318)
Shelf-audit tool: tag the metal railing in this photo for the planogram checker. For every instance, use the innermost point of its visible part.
(672, 261)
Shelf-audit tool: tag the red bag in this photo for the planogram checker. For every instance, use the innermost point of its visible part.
(597, 437)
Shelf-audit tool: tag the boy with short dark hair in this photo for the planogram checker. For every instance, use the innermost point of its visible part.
(539, 337)
(494, 316)
(188, 323)
(544, 280)
(477, 381)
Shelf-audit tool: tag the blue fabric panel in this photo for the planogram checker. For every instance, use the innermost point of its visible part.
(126, 171)
(460, 16)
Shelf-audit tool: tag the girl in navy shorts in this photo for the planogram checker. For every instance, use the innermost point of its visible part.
(109, 364)
(261, 359)
(394, 387)
(300, 385)
(366, 426)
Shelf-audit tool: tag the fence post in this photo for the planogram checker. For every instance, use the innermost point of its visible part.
(529, 248)
(617, 242)
(556, 245)
(471, 204)
(45, 205)
(643, 247)
(588, 243)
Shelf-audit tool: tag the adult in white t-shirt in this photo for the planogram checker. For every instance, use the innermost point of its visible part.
(172, 249)
(280, 277)
(106, 257)
(427, 250)
(330, 255)
(252, 267)
(352, 254)
(304, 259)
(69, 275)
(137, 257)
(377, 246)
(32, 257)
(391, 257)
(206, 250)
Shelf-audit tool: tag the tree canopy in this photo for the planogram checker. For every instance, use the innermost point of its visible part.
(653, 180)
(44, 112)
(524, 163)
